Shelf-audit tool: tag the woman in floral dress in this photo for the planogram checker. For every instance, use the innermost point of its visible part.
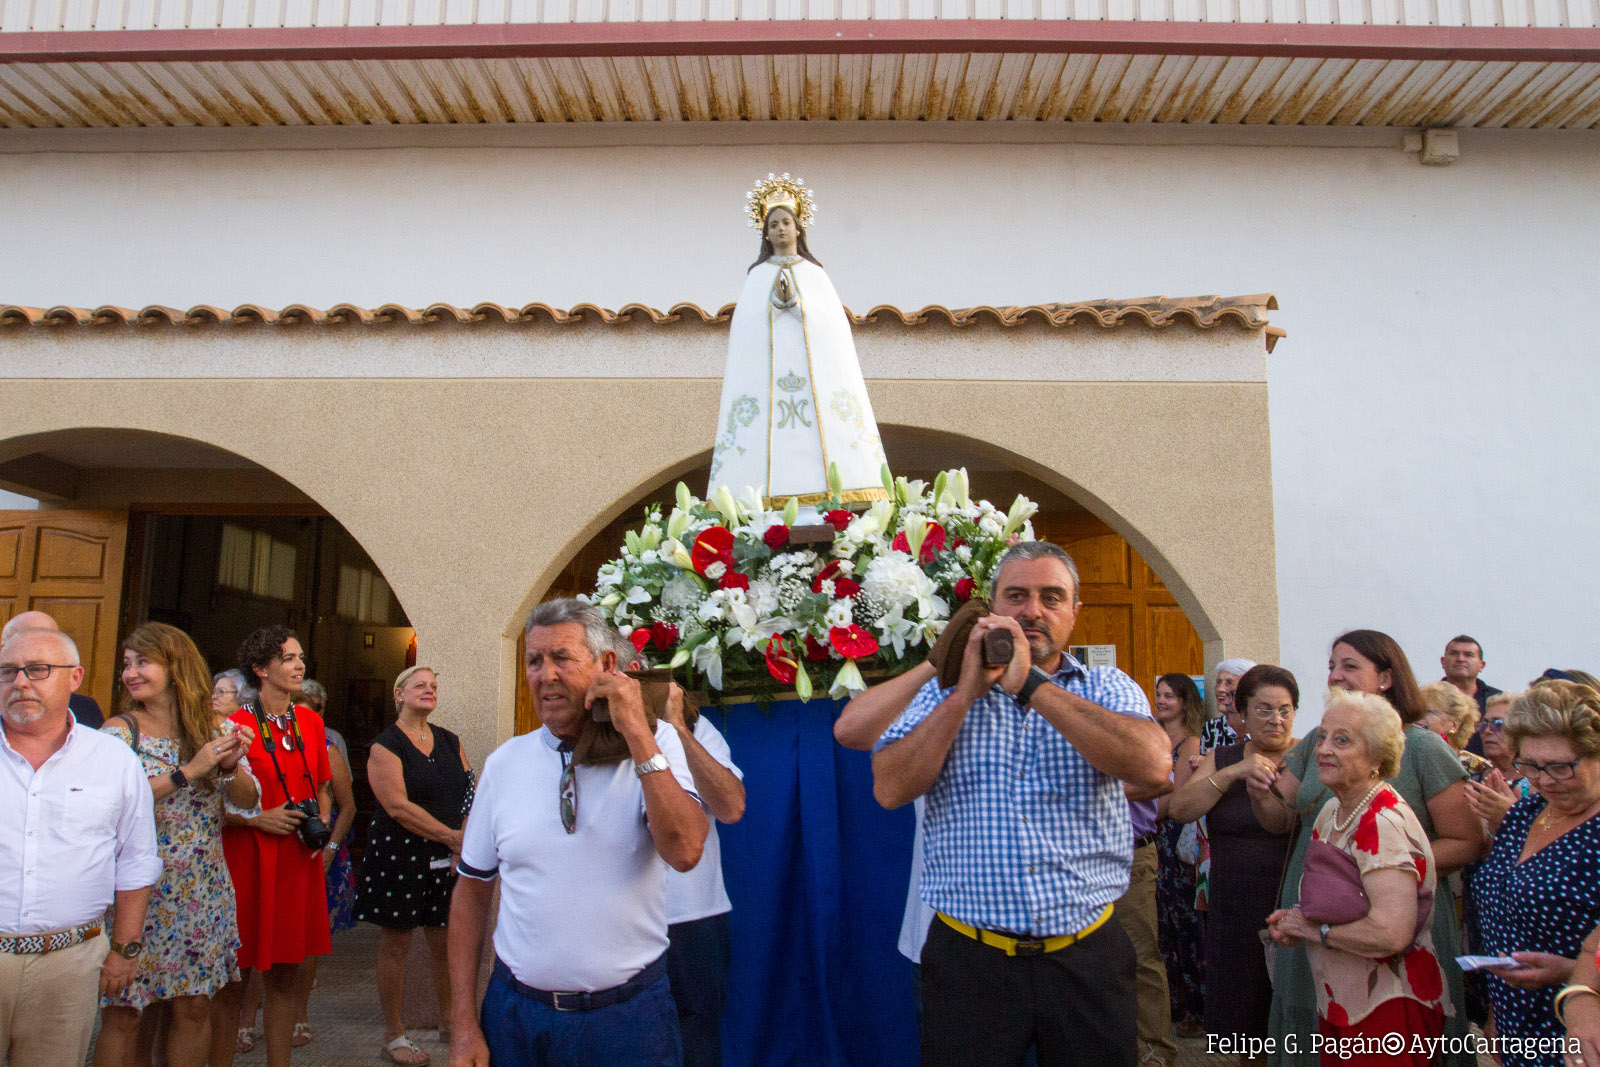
(191, 935)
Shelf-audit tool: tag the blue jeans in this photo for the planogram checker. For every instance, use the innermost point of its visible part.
(640, 1032)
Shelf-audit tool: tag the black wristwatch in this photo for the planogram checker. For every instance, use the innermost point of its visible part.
(1036, 678)
(179, 779)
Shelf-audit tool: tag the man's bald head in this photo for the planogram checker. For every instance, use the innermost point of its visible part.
(28, 620)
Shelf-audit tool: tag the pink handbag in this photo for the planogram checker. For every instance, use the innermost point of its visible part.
(1331, 891)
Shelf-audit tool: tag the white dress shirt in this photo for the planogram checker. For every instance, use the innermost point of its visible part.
(75, 831)
(699, 893)
(582, 911)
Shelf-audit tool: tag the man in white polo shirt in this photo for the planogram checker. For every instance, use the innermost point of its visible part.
(581, 850)
(78, 835)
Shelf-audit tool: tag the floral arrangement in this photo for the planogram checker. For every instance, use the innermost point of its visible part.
(716, 587)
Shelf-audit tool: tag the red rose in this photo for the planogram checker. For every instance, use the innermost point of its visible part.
(932, 542)
(831, 571)
(664, 634)
(781, 663)
(816, 651)
(838, 519)
(1422, 973)
(714, 543)
(776, 536)
(732, 579)
(964, 589)
(852, 642)
(640, 638)
(957, 543)
(845, 587)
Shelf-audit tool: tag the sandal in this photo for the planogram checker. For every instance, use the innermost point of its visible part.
(247, 1039)
(302, 1035)
(404, 1051)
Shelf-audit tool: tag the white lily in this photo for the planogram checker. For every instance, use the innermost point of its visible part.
(1022, 509)
(678, 524)
(685, 499)
(751, 503)
(847, 681)
(708, 661)
(895, 629)
(672, 549)
(791, 511)
(650, 537)
(723, 501)
(962, 489)
(611, 600)
(639, 595)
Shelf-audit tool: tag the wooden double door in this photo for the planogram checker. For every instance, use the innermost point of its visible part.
(69, 564)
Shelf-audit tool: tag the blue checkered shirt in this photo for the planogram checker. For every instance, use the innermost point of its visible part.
(1021, 833)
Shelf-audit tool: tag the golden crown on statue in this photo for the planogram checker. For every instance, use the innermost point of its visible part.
(780, 190)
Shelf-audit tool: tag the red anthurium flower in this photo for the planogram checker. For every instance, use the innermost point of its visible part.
(640, 638)
(816, 651)
(964, 589)
(831, 571)
(852, 642)
(838, 518)
(843, 587)
(932, 542)
(664, 634)
(734, 580)
(781, 662)
(714, 543)
(776, 536)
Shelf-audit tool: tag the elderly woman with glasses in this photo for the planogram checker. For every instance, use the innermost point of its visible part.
(1538, 896)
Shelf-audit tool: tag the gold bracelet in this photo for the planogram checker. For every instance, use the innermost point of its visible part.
(1569, 991)
(1220, 791)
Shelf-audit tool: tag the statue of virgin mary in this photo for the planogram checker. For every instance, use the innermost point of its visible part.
(794, 402)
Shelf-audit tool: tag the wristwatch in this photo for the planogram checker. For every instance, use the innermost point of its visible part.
(1036, 678)
(655, 763)
(179, 779)
(130, 951)
(1322, 933)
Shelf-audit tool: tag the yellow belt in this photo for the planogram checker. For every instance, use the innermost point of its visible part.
(1024, 946)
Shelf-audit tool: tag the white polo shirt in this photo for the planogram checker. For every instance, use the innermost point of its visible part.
(581, 911)
(75, 831)
(699, 893)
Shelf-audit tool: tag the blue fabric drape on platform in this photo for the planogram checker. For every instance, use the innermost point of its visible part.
(817, 874)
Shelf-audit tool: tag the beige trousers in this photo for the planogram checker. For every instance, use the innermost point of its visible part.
(1137, 910)
(48, 1002)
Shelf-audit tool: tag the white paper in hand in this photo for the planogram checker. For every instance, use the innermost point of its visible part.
(1477, 963)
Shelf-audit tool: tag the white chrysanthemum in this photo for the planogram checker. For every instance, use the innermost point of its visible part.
(839, 614)
(763, 595)
(681, 594)
(898, 582)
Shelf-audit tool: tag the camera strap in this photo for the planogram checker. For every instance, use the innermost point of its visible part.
(264, 725)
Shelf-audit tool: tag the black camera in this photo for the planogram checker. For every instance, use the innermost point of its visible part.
(314, 833)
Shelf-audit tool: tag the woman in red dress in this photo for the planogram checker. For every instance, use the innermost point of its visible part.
(277, 873)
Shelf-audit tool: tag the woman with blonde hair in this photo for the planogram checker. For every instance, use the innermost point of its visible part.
(423, 785)
(1537, 894)
(1377, 973)
(191, 933)
(1451, 714)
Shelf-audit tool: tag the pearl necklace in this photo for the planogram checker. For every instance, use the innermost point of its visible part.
(1339, 827)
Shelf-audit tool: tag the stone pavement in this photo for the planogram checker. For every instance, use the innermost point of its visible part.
(348, 1029)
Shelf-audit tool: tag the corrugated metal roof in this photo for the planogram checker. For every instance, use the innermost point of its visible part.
(1205, 312)
(959, 86)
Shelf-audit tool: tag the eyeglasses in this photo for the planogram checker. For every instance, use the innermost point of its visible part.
(569, 790)
(1556, 772)
(36, 672)
(1272, 713)
(1492, 726)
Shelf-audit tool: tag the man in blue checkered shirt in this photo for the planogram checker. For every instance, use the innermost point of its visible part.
(1027, 840)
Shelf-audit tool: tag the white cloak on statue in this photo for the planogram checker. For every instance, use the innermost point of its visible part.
(793, 398)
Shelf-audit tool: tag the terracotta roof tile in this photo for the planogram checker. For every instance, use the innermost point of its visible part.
(1204, 312)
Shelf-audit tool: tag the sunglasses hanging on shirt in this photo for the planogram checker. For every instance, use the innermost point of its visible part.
(569, 789)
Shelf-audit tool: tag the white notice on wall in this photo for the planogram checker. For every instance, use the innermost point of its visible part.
(1095, 655)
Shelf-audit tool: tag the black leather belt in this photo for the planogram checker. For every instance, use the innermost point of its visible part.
(1145, 839)
(600, 998)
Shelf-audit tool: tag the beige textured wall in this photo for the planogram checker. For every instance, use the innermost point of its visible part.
(474, 493)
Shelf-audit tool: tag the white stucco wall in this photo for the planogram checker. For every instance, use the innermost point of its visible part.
(1432, 408)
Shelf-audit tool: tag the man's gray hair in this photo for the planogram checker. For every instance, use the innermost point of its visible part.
(627, 655)
(1030, 550)
(596, 634)
(69, 647)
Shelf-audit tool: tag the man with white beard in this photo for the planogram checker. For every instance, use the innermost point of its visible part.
(79, 836)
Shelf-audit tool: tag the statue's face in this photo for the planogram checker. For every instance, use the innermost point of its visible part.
(782, 231)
